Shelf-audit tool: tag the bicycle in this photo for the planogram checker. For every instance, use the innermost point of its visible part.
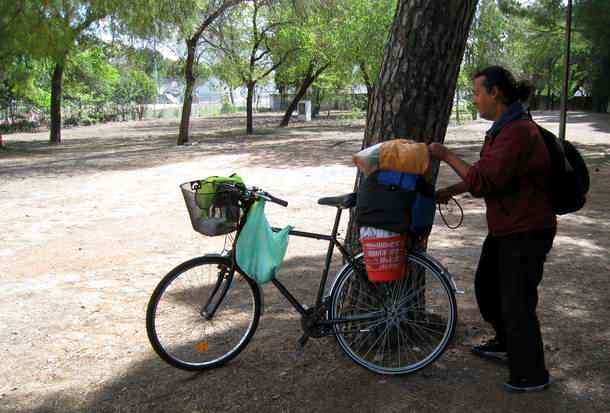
(204, 312)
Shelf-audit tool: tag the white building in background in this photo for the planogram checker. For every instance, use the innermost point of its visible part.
(171, 91)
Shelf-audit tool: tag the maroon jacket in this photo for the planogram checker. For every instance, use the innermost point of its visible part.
(512, 175)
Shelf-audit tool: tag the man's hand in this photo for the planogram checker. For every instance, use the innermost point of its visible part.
(443, 195)
(438, 151)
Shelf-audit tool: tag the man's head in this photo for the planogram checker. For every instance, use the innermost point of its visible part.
(494, 88)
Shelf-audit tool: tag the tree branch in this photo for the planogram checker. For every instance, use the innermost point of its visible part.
(210, 19)
(275, 66)
(365, 75)
(263, 54)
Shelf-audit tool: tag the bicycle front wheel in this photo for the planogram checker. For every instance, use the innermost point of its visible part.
(395, 327)
(202, 314)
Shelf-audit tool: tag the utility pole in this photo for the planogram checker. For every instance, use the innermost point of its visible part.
(566, 75)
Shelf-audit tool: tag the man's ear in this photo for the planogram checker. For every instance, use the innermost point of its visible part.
(494, 92)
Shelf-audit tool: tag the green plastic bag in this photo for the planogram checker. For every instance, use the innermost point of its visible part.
(260, 251)
(206, 192)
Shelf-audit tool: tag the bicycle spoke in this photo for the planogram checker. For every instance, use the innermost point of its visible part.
(414, 332)
(182, 335)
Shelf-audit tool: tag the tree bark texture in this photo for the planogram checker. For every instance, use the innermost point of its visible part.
(189, 77)
(418, 75)
(419, 71)
(56, 91)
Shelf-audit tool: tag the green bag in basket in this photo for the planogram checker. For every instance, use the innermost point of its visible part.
(260, 251)
(206, 192)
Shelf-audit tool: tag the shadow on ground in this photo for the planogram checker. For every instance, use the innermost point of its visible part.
(271, 376)
(599, 122)
(299, 145)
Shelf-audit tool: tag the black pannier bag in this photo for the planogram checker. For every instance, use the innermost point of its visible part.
(384, 206)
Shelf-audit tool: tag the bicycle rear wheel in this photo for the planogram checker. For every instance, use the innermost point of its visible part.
(397, 327)
(202, 314)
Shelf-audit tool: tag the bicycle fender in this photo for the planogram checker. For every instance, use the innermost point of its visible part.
(340, 272)
(215, 255)
(441, 268)
(433, 262)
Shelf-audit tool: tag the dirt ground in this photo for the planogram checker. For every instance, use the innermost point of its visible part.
(90, 226)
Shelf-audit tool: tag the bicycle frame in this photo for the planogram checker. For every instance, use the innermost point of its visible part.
(332, 243)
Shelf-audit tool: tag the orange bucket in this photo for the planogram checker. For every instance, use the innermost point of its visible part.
(385, 258)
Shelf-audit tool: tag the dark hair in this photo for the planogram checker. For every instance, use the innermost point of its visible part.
(511, 90)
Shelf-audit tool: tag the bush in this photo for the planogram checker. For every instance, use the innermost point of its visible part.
(19, 126)
(107, 117)
(86, 121)
(227, 108)
(355, 114)
(71, 121)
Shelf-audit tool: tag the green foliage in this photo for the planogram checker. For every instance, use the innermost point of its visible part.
(19, 126)
(348, 35)
(592, 20)
(249, 41)
(529, 39)
(355, 114)
(90, 79)
(364, 29)
(342, 39)
(135, 87)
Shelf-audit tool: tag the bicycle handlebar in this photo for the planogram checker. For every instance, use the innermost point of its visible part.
(275, 200)
(257, 192)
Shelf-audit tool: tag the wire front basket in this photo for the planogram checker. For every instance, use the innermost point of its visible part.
(212, 212)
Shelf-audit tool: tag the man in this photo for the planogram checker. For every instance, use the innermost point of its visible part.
(512, 176)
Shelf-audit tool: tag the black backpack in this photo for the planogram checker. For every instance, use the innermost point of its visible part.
(569, 181)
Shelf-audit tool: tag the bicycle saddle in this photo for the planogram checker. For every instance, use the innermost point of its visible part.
(342, 201)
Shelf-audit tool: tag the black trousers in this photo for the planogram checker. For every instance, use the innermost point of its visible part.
(506, 287)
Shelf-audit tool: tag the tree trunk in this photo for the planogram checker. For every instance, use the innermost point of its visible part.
(56, 86)
(249, 127)
(231, 97)
(310, 77)
(189, 77)
(370, 92)
(457, 103)
(600, 92)
(317, 102)
(416, 85)
(282, 91)
(370, 89)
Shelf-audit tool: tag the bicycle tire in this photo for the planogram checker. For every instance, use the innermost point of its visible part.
(425, 334)
(195, 347)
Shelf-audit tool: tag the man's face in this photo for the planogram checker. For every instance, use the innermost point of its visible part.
(485, 101)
